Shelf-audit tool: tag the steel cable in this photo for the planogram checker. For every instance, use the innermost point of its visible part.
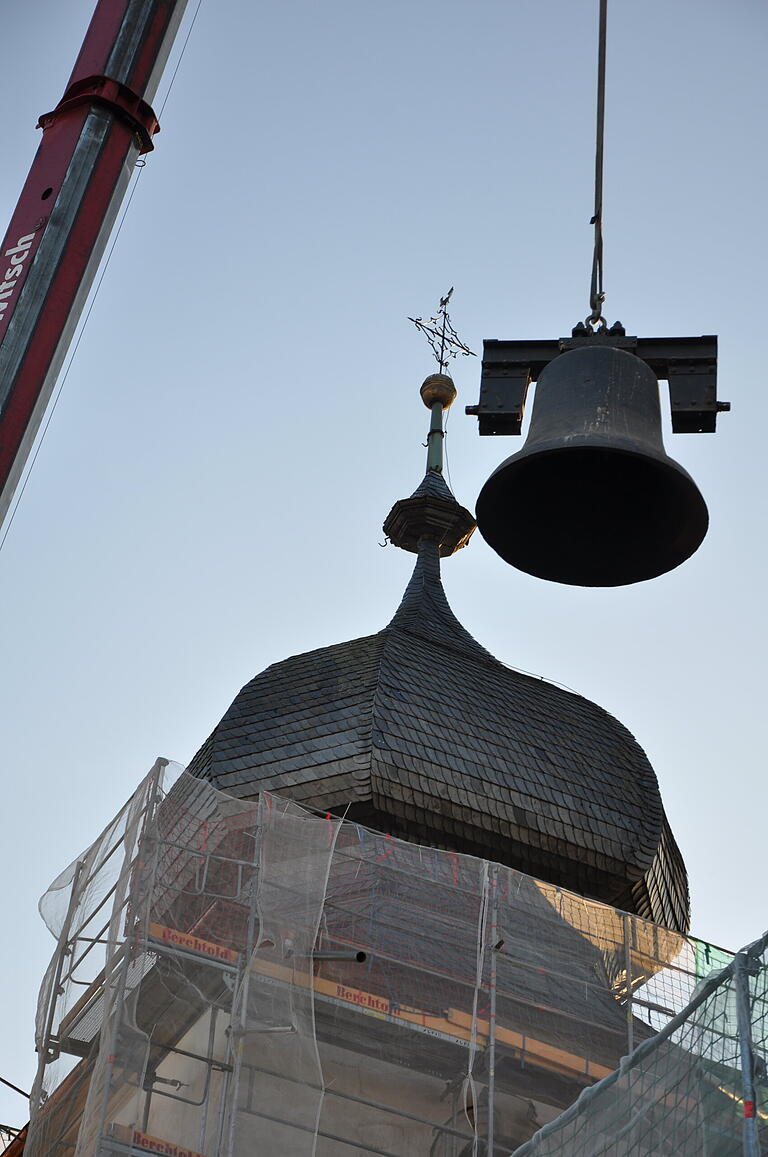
(596, 292)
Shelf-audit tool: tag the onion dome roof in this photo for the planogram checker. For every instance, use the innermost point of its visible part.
(419, 731)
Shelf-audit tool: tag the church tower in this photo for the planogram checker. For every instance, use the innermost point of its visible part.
(419, 732)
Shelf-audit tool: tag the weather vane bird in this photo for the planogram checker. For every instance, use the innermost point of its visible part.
(442, 337)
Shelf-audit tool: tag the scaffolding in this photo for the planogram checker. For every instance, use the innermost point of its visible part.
(696, 1089)
(237, 977)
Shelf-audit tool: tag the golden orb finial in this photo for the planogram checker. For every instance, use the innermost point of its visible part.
(438, 388)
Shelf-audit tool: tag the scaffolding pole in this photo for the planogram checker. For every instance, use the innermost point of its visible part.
(741, 971)
(494, 940)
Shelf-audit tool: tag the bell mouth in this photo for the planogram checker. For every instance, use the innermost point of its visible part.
(592, 516)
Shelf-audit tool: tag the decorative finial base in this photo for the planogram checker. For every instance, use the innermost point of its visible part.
(431, 514)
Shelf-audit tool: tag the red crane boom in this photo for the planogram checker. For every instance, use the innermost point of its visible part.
(67, 208)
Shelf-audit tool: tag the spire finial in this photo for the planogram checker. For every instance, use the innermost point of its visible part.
(437, 393)
(431, 514)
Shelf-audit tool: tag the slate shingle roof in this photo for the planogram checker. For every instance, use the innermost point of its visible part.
(419, 731)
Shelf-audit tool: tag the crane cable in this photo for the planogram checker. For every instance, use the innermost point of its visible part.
(596, 292)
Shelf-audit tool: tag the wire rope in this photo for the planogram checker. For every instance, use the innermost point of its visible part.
(596, 290)
(445, 450)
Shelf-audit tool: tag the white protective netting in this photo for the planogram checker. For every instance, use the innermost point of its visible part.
(265, 980)
(82, 909)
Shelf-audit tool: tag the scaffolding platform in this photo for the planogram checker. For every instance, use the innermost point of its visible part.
(236, 977)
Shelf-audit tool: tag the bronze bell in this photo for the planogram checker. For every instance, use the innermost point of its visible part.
(592, 499)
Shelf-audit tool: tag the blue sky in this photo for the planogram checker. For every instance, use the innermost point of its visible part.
(243, 408)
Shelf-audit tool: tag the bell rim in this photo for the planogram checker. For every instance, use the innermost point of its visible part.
(677, 552)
